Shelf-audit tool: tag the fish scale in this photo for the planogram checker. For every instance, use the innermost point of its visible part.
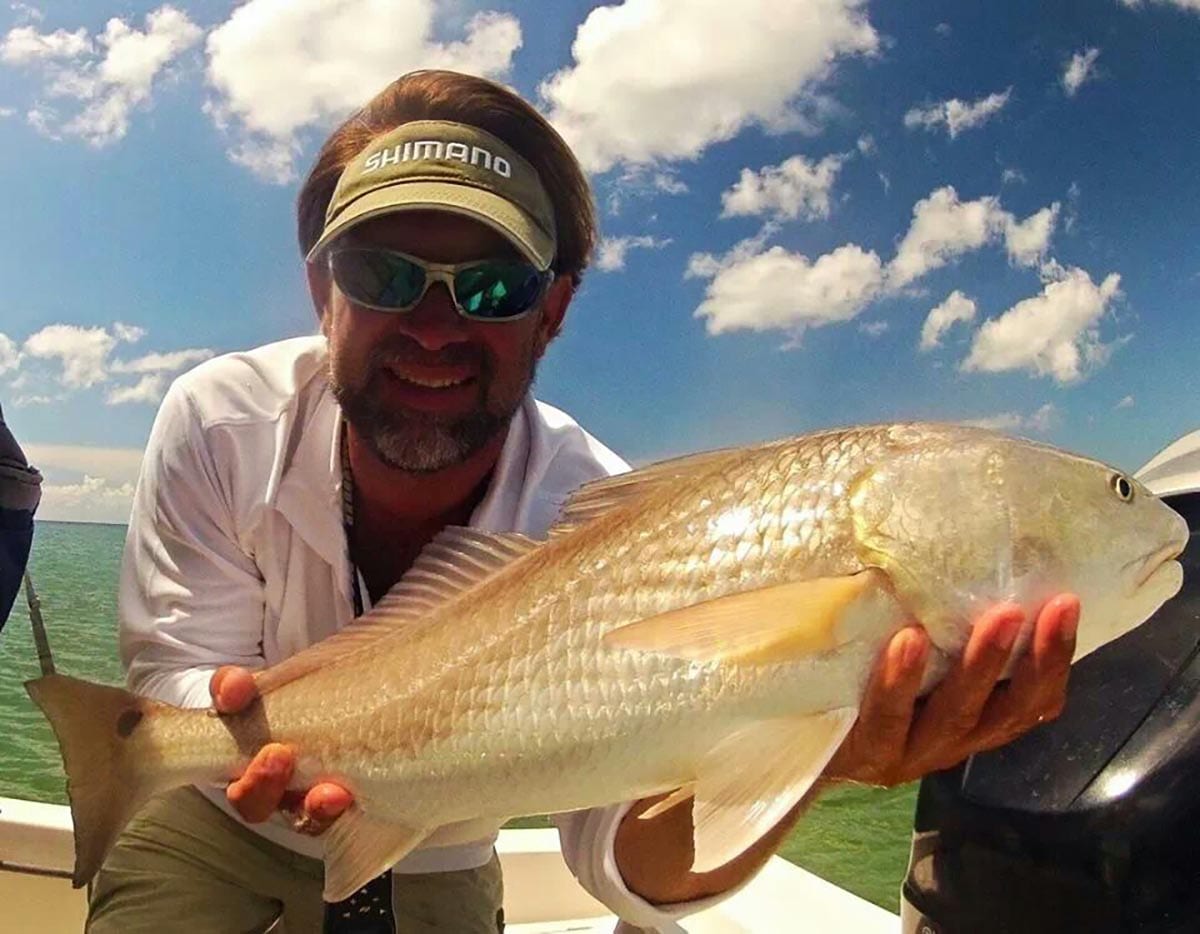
(706, 623)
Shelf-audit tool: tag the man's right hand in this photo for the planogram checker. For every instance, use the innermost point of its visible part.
(263, 788)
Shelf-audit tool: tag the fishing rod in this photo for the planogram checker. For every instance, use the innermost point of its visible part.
(40, 639)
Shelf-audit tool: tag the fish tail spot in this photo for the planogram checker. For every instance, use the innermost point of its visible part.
(128, 721)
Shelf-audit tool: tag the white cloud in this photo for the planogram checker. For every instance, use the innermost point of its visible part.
(957, 115)
(85, 356)
(10, 356)
(128, 333)
(1055, 333)
(149, 389)
(280, 66)
(83, 352)
(610, 255)
(1191, 5)
(651, 83)
(1027, 241)
(773, 289)
(794, 188)
(162, 362)
(640, 181)
(27, 13)
(866, 145)
(1125, 403)
(93, 499)
(957, 307)
(1041, 421)
(57, 461)
(1011, 176)
(873, 328)
(25, 45)
(943, 228)
(1080, 69)
(22, 401)
(109, 76)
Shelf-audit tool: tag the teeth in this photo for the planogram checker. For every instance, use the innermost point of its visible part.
(428, 382)
(434, 383)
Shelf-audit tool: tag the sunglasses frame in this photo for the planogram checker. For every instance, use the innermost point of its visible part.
(437, 272)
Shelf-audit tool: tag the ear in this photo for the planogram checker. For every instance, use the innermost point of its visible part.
(554, 310)
(319, 287)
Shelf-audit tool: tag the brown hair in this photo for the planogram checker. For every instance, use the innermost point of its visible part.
(448, 95)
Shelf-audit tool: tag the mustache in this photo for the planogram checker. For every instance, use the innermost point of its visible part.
(401, 349)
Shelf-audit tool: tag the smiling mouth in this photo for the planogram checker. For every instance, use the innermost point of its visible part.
(427, 379)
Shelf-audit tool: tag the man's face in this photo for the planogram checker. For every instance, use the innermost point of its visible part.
(426, 388)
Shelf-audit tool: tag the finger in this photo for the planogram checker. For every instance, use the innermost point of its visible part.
(232, 688)
(880, 736)
(887, 707)
(257, 794)
(1038, 689)
(953, 709)
(323, 804)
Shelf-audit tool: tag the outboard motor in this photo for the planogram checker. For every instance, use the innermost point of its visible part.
(1090, 823)
(20, 493)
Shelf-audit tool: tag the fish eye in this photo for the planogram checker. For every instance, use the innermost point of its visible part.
(1122, 487)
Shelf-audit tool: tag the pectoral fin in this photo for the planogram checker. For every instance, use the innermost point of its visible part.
(750, 780)
(358, 848)
(771, 624)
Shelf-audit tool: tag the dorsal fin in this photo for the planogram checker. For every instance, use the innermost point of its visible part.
(455, 561)
(601, 496)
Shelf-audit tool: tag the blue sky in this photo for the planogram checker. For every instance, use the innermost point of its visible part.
(796, 197)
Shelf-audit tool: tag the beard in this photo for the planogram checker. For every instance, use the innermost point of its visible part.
(424, 442)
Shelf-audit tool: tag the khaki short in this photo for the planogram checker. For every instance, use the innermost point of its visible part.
(184, 865)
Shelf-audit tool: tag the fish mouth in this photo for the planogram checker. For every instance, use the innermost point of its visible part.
(1156, 561)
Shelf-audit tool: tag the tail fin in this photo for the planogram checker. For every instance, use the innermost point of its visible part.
(93, 723)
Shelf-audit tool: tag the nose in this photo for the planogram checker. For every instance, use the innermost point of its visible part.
(434, 322)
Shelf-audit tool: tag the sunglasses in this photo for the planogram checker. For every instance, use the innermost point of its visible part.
(483, 290)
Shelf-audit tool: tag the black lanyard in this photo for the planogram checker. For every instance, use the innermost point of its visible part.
(348, 521)
(369, 910)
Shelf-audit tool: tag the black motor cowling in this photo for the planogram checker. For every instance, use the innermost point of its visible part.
(1090, 823)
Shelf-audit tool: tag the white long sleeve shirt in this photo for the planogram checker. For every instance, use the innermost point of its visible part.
(236, 553)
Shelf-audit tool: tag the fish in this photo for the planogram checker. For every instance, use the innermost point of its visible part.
(704, 626)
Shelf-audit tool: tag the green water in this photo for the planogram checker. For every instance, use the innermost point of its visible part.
(855, 837)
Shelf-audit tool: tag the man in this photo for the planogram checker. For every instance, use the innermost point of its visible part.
(445, 229)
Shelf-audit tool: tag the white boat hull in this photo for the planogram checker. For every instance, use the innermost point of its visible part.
(540, 894)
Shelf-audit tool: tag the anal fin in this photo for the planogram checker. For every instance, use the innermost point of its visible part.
(358, 848)
(751, 779)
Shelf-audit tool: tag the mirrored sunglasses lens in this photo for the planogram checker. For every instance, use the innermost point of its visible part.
(497, 290)
(373, 277)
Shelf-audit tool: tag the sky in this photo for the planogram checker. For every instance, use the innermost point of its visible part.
(814, 213)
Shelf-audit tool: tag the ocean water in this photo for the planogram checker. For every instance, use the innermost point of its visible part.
(856, 837)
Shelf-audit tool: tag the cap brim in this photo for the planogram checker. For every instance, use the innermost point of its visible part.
(498, 213)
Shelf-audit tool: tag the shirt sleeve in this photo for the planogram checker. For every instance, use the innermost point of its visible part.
(190, 598)
(587, 841)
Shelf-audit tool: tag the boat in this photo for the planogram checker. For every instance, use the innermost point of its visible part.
(541, 896)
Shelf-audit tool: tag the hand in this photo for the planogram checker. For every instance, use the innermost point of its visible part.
(262, 788)
(899, 738)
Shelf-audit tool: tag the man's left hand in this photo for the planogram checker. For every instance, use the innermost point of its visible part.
(899, 737)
